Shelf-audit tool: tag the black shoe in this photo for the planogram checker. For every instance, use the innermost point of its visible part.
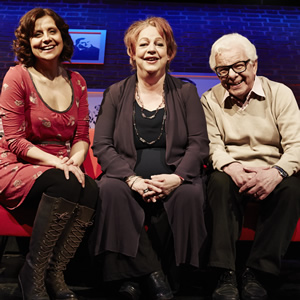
(130, 290)
(227, 287)
(158, 288)
(251, 288)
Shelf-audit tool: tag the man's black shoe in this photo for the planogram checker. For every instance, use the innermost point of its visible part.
(158, 288)
(227, 287)
(130, 290)
(251, 288)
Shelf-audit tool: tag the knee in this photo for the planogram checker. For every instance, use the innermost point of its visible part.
(218, 180)
(56, 179)
(90, 194)
(222, 193)
(91, 185)
(294, 188)
(190, 197)
(112, 189)
(59, 186)
(111, 185)
(59, 183)
(288, 193)
(71, 184)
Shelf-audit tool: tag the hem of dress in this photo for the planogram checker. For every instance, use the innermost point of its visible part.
(120, 276)
(20, 201)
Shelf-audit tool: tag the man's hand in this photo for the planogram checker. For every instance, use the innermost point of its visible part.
(263, 183)
(238, 173)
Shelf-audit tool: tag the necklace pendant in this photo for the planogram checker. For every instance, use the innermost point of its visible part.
(161, 128)
(150, 118)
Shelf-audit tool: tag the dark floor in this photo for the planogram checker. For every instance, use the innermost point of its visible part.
(85, 279)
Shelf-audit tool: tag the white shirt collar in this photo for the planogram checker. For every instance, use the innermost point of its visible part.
(256, 89)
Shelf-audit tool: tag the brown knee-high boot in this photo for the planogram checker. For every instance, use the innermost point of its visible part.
(64, 251)
(50, 221)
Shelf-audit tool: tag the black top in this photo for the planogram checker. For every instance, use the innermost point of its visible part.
(151, 159)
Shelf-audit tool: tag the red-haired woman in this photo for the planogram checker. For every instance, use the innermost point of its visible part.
(151, 142)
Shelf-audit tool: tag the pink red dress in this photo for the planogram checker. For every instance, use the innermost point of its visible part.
(28, 121)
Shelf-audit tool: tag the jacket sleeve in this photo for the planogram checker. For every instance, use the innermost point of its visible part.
(112, 162)
(196, 150)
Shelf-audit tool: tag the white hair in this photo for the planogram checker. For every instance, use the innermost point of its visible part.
(227, 42)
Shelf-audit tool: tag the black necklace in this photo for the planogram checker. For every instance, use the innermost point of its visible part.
(161, 128)
(139, 100)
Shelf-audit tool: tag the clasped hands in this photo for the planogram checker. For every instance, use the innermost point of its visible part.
(158, 187)
(256, 181)
(68, 165)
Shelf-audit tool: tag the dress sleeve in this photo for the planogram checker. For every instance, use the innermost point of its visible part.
(81, 98)
(12, 105)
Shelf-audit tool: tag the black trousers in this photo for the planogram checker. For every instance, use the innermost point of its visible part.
(277, 220)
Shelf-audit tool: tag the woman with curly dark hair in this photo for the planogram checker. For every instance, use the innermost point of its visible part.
(45, 117)
(26, 29)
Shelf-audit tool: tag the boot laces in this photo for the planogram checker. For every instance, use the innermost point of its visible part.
(55, 273)
(46, 250)
(72, 243)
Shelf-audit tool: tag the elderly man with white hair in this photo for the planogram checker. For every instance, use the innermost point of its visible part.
(254, 131)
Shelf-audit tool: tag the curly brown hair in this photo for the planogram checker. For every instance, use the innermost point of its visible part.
(164, 29)
(21, 45)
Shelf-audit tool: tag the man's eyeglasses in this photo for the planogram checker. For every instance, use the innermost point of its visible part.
(237, 67)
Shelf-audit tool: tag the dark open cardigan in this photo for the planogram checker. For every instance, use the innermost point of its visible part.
(186, 150)
(186, 134)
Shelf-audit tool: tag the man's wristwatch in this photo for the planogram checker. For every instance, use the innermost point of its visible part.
(282, 173)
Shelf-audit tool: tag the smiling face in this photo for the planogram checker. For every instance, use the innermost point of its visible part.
(238, 85)
(46, 42)
(151, 52)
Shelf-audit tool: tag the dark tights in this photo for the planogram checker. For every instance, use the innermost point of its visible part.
(53, 183)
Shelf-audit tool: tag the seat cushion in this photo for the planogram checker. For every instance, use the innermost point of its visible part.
(17, 222)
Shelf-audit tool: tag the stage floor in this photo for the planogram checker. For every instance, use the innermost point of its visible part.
(86, 280)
